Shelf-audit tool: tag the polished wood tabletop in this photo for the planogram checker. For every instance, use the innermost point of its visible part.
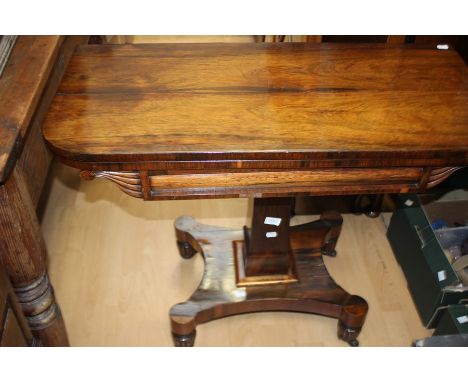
(277, 107)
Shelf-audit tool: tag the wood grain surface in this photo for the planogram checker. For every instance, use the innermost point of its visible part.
(23, 255)
(21, 89)
(151, 102)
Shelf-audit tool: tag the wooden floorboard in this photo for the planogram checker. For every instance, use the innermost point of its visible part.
(116, 270)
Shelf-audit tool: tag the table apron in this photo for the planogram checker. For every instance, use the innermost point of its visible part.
(152, 185)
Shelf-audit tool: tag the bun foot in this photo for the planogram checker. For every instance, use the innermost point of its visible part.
(185, 249)
(184, 340)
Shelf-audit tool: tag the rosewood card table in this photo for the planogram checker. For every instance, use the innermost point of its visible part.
(269, 122)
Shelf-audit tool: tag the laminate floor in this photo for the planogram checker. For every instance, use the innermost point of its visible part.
(116, 270)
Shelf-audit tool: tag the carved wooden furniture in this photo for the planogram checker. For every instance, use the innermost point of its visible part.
(267, 121)
(27, 85)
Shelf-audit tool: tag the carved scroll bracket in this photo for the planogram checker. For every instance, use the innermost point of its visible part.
(128, 181)
(438, 175)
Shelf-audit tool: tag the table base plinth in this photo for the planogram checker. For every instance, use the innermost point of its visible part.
(219, 295)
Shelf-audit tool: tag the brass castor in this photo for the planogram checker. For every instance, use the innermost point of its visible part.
(373, 214)
(369, 205)
(328, 248)
(184, 340)
(329, 253)
(353, 343)
(185, 249)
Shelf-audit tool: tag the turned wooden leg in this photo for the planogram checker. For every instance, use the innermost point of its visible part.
(23, 256)
(334, 221)
(42, 312)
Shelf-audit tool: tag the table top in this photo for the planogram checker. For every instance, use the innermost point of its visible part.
(179, 102)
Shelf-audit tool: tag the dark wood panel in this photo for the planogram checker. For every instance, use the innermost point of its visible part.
(34, 162)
